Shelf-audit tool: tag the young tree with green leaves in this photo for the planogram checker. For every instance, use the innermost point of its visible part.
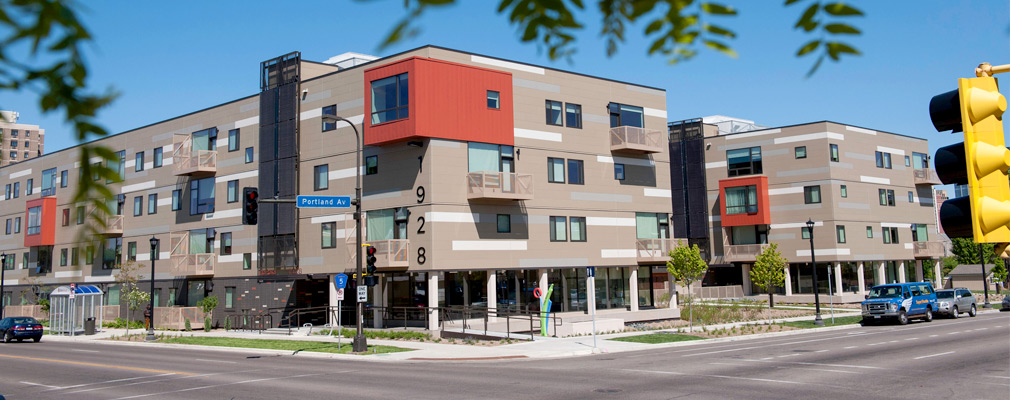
(769, 272)
(208, 304)
(686, 266)
(135, 297)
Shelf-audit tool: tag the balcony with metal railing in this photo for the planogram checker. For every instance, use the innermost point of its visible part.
(187, 161)
(927, 249)
(636, 140)
(655, 250)
(926, 176)
(742, 252)
(184, 263)
(499, 185)
(391, 253)
(113, 226)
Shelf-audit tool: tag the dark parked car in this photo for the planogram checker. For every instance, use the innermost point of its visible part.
(20, 328)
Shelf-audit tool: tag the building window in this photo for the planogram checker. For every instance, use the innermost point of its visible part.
(14, 133)
(390, 99)
(625, 115)
(812, 194)
(555, 170)
(908, 161)
(8, 226)
(920, 233)
(321, 177)
(834, 152)
(619, 171)
(152, 203)
(118, 165)
(576, 173)
(233, 143)
(201, 196)
(504, 223)
(138, 160)
(886, 197)
(883, 160)
(63, 257)
(34, 221)
(89, 255)
(158, 156)
(17, 189)
(920, 160)
(559, 232)
(75, 257)
(29, 185)
(741, 200)
(80, 215)
(248, 155)
(329, 238)
(14, 144)
(49, 182)
(7, 192)
(225, 243)
(232, 191)
(845, 191)
(573, 115)
(65, 221)
(17, 224)
(743, 161)
(246, 261)
(800, 152)
(329, 125)
(176, 200)
(840, 233)
(554, 113)
(911, 197)
(869, 232)
(804, 232)
(229, 297)
(493, 100)
(138, 204)
(890, 235)
(371, 165)
(578, 229)
(131, 251)
(64, 178)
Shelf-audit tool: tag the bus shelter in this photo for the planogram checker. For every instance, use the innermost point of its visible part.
(70, 307)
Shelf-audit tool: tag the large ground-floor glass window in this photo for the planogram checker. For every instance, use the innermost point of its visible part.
(850, 277)
(802, 278)
(869, 275)
(910, 275)
(891, 271)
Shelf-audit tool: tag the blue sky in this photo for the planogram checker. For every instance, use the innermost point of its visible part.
(171, 58)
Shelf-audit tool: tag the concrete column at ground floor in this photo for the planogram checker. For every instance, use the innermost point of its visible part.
(837, 271)
(674, 296)
(788, 281)
(938, 284)
(881, 272)
(331, 318)
(919, 276)
(745, 278)
(901, 272)
(633, 287)
(861, 276)
(378, 297)
(492, 295)
(433, 300)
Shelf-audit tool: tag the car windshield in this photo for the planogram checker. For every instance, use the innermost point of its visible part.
(945, 294)
(885, 292)
(25, 320)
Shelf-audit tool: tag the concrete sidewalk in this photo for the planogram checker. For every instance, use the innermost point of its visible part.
(542, 347)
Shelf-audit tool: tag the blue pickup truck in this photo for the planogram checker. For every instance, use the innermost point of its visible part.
(900, 301)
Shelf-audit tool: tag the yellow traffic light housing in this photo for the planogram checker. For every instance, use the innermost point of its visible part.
(987, 158)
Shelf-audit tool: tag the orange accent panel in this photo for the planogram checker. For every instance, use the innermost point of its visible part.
(761, 217)
(446, 100)
(47, 233)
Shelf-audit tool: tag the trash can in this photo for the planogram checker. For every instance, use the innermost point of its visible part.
(89, 326)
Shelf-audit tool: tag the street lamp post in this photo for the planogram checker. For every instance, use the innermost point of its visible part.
(3, 270)
(154, 256)
(813, 263)
(360, 344)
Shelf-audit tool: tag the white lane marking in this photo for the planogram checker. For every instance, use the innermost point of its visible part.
(850, 347)
(170, 379)
(217, 361)
(85, 351)
(933, 335)
(39, 384)
(735, 365)
(229, 384)
(820, 351)
(912, 338)
(994, 376)
(996, 383)
(933, 355)
(981, 329)
(768, 358)
(820, 369)
(725, 377)
(112, 381)
(954, 333)
(893, 341)
(822, 365)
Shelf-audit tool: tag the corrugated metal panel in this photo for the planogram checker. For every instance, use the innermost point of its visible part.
(286, 141)
(286, 220)
(286, 102)
(287, 185)
(268, 107)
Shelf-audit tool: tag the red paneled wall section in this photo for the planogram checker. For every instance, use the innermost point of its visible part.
(763, 214)
(47, 233)
(446, 100)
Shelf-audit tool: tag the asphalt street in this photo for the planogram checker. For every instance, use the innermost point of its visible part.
(968, 358)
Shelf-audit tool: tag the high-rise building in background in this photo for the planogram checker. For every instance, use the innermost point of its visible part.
(18, 142)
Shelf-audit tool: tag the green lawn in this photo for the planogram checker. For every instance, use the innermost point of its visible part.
(658, 338)
(827, 321)
(274, 344)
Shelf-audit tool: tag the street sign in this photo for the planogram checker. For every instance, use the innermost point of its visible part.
(362, 294)
(340, 280)
(340, 294)
(590, 271)
(323, 202)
